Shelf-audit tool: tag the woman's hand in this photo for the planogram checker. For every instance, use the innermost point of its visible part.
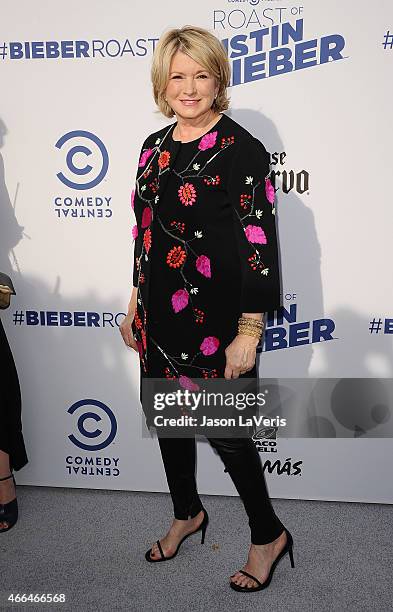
(125, 325)
(126, 330)
(240, 355)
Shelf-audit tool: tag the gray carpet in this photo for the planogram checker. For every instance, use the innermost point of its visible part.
(90, 545)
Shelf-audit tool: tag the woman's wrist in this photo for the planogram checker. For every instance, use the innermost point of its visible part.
(251, 340)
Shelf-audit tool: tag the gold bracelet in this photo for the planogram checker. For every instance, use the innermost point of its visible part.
(251, 328)
(259, 321)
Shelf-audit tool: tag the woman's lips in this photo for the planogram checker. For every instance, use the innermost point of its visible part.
(189, 102)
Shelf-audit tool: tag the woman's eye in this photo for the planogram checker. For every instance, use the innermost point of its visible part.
(200, 76)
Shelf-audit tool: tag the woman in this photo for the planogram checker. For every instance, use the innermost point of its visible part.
(205, 271)
(12, 447)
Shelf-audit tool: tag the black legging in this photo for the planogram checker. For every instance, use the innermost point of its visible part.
(243, 464)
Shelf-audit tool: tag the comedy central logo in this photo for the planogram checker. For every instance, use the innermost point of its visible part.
(96, 425)
(84, 165)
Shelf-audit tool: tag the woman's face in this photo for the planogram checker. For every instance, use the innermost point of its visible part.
(191, 88)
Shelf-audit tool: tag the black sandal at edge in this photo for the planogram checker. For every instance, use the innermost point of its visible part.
(9, 512)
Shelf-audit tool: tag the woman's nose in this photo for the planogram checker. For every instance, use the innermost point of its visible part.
(189, 86)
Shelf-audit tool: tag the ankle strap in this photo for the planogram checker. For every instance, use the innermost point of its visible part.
(7, 477)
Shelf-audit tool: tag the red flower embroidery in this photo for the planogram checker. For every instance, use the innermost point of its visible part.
(142, 278)
(255, 263)
(163, 160)
(212, 180)
(147, 239)
(245, 199)
(146, 172)
(228, 140)
(187, 194)
(154, 185)
(199, 315)
(176, 257)
(210, 373)
(137, 321)
(169, 374)
(179, 225)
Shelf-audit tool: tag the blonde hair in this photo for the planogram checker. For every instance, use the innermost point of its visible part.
(204, 48)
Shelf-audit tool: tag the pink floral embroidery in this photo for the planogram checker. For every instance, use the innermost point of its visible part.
(209, 345)
(187, 194)
(132, 198)
(256, 234)
(269, 189)
(208, 141)
(187, 383)
(144, 157)
(179, 300)
(140, 348)
(203, 265)
(134, 232)
(146, 217)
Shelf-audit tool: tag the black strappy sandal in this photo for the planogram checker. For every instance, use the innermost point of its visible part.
(288, 548)
(9, 512)
(202, 527)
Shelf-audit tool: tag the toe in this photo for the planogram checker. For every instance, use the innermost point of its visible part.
(236, 578)
(153, 551)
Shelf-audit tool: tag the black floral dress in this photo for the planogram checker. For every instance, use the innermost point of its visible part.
(205, 248)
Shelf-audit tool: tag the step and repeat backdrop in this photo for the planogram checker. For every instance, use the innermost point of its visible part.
(312, 81)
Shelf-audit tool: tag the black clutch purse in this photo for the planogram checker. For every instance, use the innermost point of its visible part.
(6, 290)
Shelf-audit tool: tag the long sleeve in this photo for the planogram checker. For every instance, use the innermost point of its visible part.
(137, 231)
(251, 193)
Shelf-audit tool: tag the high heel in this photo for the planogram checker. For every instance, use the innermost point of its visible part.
(9, 512)
(288, 548)
(202, 527)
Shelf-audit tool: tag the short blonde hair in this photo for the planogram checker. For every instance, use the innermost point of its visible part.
(204, 48)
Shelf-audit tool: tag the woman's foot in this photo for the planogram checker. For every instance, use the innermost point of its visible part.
(176, 532)
(7, 494)
(260, 559)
